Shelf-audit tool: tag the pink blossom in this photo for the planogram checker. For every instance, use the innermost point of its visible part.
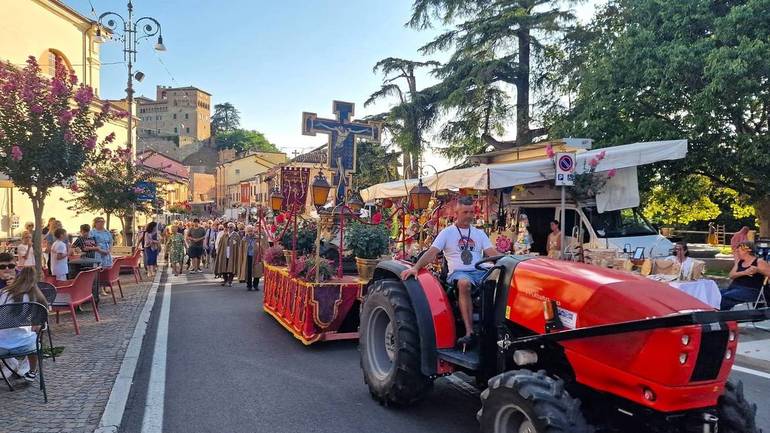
(611, 173)
(90, 143)
(601, 155)
(68, 137)
(74, 187)
(593, 163)
(58, 87)
(65, 117)
(110, 138)
(90, 172)
(36, 109)
(16, 153)
(73, 78)
(377, 218)
(121, 114)
(84, 95)
(549, 151)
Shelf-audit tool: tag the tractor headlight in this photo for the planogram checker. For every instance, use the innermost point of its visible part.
(732, 336)
(728, 354)
(683, 358)
(685, 339)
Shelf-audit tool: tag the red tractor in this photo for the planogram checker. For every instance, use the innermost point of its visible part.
(562, 347)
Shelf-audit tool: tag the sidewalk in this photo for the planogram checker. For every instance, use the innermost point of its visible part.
(80, 381)
(754, 347)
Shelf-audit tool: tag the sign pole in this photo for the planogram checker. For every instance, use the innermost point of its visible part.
(562, 247)
(565, 176)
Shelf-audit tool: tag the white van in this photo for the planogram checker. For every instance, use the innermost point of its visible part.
(624, 230)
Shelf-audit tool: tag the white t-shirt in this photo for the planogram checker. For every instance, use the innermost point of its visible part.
(59, 266)
(450, 242)
(22, 250)
(15, 337)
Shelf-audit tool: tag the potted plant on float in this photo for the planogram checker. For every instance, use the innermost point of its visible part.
(368, 242)
(306, 234)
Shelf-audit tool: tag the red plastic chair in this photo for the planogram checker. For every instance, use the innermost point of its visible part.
(110, 276)
(78, 292)
(132, 262)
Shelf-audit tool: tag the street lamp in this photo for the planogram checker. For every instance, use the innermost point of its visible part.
(320, 188)
(419, 196)
(276, 200)
(130, 34)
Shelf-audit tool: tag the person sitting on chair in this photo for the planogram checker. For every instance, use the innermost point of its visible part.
(463, 246)
(748, 275)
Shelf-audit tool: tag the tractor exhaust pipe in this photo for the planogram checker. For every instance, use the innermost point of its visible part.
(710, 423)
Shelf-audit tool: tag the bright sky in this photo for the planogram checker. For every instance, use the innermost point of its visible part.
(272, 60)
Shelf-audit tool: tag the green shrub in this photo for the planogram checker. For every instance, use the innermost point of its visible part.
(367, 241)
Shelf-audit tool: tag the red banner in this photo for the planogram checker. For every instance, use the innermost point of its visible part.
(294, 185)
(245, 193)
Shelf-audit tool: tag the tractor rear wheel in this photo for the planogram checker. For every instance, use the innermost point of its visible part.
(390, 345)
(736, 414)
(522, 401)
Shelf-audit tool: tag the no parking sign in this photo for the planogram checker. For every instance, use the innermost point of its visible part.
(565, 169)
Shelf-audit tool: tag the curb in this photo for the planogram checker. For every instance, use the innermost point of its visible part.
(116, 405)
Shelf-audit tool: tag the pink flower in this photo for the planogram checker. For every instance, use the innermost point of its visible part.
(121, 114)
(90, 144)
(377, 218)
(110, 138)
(65, 117)
(84, 95)
(36, 109)
(593, 163)
(68, 137)
(549, 151)
(73, 78)
(74, 187)
(90, 172)
(611, 173)
(58, 87)
(601, 155)
(16, 153)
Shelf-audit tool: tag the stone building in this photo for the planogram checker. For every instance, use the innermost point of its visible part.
(179, 113)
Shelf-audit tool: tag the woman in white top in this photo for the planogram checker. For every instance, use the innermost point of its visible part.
(682, 257)
(25, 252)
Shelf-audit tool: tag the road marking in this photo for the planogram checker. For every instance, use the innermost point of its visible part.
(116, 404)
(761, 374)
(156, 389)
(463, 385)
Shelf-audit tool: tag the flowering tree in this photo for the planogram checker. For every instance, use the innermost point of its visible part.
(105, 184)
(47, 131)
(588, 183)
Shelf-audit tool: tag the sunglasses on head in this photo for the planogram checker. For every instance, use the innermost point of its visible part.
(7, 266)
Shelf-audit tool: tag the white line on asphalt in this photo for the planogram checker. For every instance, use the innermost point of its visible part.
(156, 389)
(463, 385)
(116, 405)
(761, 374)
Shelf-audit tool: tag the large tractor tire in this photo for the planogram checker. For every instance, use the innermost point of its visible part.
(736, 414)
(522, 401)
(390, 345)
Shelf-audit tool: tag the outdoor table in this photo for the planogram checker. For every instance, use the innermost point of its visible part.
(704, 290)
(78, 264)
(312, 312)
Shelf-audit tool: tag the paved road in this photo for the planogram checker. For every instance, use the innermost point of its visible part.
(232, 368)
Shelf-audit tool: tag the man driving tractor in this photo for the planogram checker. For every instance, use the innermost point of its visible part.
(463, 246)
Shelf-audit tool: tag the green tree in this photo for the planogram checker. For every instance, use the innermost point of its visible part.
(48, 130)
(226, 118)
(375, 165)
(691, 69)
(412, 115)
(244, 140)
(498, 44)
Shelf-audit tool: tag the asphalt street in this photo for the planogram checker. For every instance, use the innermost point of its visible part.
(231, 368)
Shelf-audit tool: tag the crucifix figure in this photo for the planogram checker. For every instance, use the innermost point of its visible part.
(342, 132)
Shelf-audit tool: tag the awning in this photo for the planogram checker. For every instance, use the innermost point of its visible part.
(496, 176)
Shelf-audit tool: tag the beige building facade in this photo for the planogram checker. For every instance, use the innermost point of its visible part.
(182, 112)
(231, 174)
(53, 33)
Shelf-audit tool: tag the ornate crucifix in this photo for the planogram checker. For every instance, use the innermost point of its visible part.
(342, 132)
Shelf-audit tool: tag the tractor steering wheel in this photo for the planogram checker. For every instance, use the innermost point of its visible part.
(492, 259)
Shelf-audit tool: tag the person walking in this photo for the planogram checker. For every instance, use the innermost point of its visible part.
(176, 249)
(195, 237)
(250, 252)
(227, 255)
(151, 248)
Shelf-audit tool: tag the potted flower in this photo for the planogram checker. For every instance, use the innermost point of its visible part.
(306, 234)
(368, 243)
(306, 269)
(274, 256)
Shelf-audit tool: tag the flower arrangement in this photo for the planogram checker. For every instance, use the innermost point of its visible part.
(182, 207)
(306, 234)
(503, 243)
(274, 256)
(305, 268)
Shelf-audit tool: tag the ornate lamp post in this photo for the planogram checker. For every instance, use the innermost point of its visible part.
(276, 200)
(130, 33)
(419, 196)
(320, 189)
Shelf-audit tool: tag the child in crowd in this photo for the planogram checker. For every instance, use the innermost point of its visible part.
(59, 253)
(22, 339)
(25, 251)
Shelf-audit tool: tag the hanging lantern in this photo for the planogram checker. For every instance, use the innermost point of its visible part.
(320, 188)
(419, 196)
(387, 203)
(355, 204)
(276, 200)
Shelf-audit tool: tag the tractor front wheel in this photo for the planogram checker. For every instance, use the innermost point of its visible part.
(390, 345)
(736, 414)
(523, 401)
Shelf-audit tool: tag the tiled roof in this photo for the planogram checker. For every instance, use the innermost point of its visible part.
(158, 161)
(315, 156)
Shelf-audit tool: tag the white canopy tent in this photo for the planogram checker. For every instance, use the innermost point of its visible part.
(496, 176)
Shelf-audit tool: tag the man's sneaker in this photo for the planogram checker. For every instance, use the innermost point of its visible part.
(30, 376)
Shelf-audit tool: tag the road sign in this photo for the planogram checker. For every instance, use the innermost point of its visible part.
(149, 191)
(565, 169)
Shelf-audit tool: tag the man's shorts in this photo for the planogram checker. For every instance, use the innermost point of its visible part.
(474, 276)
(21, 350)
(195, 251)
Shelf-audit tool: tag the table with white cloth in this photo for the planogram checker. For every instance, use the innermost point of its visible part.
(704, 290)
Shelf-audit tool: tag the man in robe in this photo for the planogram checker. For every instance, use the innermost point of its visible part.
(252, 247)
(227, 264)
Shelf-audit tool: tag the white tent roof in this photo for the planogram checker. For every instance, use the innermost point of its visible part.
(495, 176)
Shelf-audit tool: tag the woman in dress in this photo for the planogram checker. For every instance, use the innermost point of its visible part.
(176, 249)
(151, 248)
